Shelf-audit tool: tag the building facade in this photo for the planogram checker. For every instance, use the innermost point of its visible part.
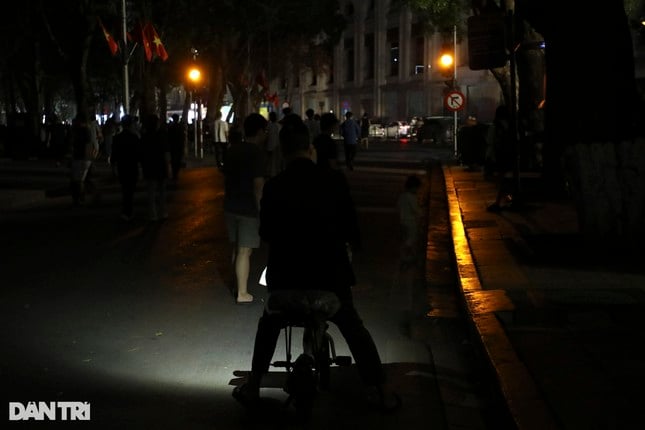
(387, 67)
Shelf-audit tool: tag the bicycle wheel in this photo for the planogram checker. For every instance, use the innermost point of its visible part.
(302, 385)
(323, 363)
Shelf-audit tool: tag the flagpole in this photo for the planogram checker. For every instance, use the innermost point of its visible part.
(126, 84)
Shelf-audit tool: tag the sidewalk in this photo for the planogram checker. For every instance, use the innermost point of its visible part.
(560, 325)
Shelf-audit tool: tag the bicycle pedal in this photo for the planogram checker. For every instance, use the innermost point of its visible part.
(343, 360)
(282, 363)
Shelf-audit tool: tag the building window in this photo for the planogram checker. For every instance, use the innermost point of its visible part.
(393, 44)
(369, 56)
(349, 59)
(370, 9)
(418, 45)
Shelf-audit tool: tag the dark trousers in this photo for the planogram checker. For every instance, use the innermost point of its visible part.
(220, 152)
(350, 154)
(351, 326)
(128, 187)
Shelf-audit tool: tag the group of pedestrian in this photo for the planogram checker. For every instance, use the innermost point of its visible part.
(153, 151)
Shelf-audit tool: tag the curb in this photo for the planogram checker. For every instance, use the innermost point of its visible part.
(525, 404)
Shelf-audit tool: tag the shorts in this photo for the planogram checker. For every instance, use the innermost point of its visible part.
(243, 230)
(80, 169)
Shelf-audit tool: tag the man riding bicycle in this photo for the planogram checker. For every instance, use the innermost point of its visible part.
(307, 218)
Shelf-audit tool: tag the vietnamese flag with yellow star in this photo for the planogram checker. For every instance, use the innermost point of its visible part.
(157, 46)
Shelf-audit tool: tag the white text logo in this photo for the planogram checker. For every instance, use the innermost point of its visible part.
(40, 411)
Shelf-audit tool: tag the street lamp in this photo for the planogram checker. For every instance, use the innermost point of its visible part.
(448, 63)
(195, 77)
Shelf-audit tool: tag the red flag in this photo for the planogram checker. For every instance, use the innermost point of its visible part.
(114, 47)
(139, 36)
(155, 40)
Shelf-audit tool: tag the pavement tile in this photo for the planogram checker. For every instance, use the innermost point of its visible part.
(562, 330)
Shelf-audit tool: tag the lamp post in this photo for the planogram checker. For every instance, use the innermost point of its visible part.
(448, 63)
(195, 77)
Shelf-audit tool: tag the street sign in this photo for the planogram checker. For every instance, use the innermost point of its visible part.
(455, 101)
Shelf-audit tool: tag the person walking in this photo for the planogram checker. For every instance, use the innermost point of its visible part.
(109, 130)
(156, 166)
(274, 157)
(350, 131)
(244, 173)
(326, 151)
(365, 131)
(126, 159)
(312, 124)
(500, 157)
(220, 138)
(307, 218)
(84, 151)
(410, 221)
(177, 143)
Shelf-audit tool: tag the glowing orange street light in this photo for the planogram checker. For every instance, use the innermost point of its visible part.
(448, 65)
(195, 75)
(446, 61)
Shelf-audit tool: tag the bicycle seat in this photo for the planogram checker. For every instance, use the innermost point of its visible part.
(302, 304)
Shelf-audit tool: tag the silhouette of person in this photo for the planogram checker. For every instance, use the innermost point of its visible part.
(312, 124)
(177, 142)
(244, 172)
(326, 150)
(365, 131)
(220, 138)
(307, 218)
(472, 140)
(126, 158)
(500, 153)
(409, 220)
(84, 151)
(351, 132)
(274, 156)
(156, 166)
(109, 130)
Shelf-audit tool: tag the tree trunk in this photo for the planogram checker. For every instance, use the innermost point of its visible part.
(608, 185)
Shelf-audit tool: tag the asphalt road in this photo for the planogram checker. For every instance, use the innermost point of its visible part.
(136, 318)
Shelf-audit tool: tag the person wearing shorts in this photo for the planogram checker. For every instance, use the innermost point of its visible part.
(244, 173)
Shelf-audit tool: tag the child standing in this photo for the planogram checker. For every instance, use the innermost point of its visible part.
(410, 220)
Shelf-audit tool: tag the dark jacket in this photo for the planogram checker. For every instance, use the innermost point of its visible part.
(307, 217)
(126, 155)
(156, 155)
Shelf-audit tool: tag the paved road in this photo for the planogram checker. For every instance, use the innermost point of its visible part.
(137, 319)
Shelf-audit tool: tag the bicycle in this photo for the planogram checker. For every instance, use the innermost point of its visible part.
(310, 372)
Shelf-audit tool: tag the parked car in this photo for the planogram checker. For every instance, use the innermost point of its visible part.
(377, 130)
(436, 130)
(397, 130)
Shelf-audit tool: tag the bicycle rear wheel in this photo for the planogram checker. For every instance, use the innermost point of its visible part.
(323, 363)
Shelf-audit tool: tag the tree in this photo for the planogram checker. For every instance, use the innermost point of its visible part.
(594, 146)
(595, 126)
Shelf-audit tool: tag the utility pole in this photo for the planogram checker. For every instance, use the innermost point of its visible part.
(454, 80)
(126, 59)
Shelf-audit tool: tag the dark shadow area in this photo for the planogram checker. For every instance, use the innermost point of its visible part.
(574, 251)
